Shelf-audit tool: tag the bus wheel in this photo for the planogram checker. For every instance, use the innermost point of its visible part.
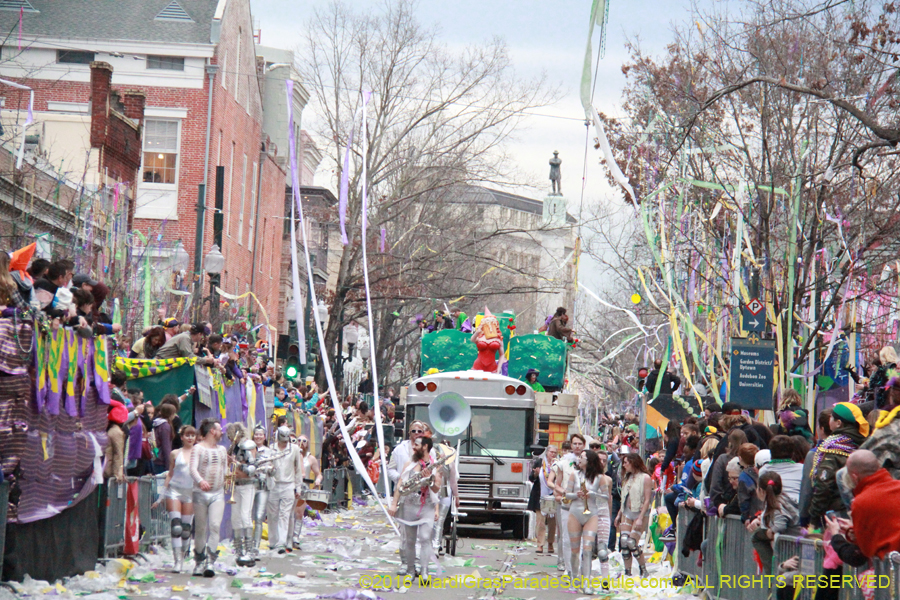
(520, 527)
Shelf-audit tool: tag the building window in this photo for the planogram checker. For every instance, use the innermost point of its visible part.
(166, 63)
(243, 197)
(250, 227)
(228, 193)
(237, 67)
(160, 151)
(74, 57)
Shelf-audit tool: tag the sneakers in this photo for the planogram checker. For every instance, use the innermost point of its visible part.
(643, 571)
(402, 571)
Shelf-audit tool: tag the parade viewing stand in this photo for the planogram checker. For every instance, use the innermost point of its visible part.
(54, 403)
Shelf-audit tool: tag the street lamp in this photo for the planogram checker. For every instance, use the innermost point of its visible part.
(181, 260)
(214, 262)
(322, 312)
(363, 346)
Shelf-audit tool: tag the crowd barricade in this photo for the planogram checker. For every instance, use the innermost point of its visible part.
(154, 519)
(114, 521)
(689, 565)
(335, 481)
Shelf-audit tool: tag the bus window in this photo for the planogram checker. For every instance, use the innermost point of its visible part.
(502, 432)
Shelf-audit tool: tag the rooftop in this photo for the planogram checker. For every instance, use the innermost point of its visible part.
(481, 195)
(177, 21)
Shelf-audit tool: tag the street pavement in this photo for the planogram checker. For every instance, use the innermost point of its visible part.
(348, 555)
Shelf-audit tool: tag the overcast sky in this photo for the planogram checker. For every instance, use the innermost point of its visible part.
(547, 36)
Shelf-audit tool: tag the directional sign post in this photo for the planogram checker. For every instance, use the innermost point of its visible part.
(752, 316)
(752, 379)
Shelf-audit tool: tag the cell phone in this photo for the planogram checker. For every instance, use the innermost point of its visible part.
(831, 514)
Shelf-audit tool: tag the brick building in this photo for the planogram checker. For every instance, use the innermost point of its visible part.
(195, 63)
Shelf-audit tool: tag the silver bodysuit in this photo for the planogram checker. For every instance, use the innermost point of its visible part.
(596, 500)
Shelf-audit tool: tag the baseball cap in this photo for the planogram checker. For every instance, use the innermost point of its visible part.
(81, 279)
(731, 408)
(171, 322)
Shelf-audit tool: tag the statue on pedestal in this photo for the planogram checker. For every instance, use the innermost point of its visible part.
(555, 174)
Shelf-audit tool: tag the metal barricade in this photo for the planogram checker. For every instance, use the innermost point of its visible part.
(729, 559)
(811, 553)
(335, 481)
(114, 521)
(890, 568)
(154, 519)
(686, 564)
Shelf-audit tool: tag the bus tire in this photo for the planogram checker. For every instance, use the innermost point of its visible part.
(520, 527)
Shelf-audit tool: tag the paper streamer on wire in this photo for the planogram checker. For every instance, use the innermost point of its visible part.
(631, 315)
(371, 320)
(345, 188)
(610, 159)
(28, 120)
(598, 17)
(326, 363)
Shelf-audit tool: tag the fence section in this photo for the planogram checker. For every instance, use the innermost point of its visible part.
(114, 519)
(154, 519)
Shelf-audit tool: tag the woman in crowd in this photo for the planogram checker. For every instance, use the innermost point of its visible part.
(634, 515)
(179, 496)
(164, 434)
(149, 345)
(591, 502)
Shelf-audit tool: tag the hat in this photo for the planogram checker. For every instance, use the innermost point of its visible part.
(170, 322)
(118, 414)
(530, 371)
(762, 458)
(709, 430)
(696, 470)
(731, 408)
(851, 413)
(81, 279)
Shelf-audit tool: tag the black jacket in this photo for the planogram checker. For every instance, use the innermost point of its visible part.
(670, 382)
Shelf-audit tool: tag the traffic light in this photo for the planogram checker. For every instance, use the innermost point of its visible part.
(292, 364)
(642, 377)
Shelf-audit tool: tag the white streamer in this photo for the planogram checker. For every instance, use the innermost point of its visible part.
(326, 364)
(610, 159)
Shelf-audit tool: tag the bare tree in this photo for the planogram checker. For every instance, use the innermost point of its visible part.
(437, 122)
(762, 136)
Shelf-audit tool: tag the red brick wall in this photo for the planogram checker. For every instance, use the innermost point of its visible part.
(232, 124)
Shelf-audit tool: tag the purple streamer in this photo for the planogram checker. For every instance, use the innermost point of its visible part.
(40, 388)
(383, 238)
(345, 190)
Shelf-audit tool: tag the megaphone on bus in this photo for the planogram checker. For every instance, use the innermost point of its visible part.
(449, 414)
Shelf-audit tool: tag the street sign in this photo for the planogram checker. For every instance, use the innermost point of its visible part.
(752, 316)
(751, 322)
(754, 306)
(752, 379)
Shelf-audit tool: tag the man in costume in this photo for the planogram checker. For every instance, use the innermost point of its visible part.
(448, 495)
(284, 489)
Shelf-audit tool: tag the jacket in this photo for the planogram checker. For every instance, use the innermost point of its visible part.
(791, 474)
(670, 382)
(558, 330)
(877, 530)
(831, 456)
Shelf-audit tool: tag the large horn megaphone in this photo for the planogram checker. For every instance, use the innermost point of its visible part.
(449, 414)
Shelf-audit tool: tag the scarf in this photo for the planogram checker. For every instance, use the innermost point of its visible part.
(838, 444)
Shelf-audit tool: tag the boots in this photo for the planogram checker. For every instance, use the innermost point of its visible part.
(199, 564)
(178, 555)
(210, 564)
(298, 531)
(255, 541)
(242, 549)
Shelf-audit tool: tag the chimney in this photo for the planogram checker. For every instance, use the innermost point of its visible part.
(101, 79)
(134, 101)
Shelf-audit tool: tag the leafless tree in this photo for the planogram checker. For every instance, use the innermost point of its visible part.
(438, 121)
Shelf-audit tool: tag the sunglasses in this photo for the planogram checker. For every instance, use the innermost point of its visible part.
(416, 431)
